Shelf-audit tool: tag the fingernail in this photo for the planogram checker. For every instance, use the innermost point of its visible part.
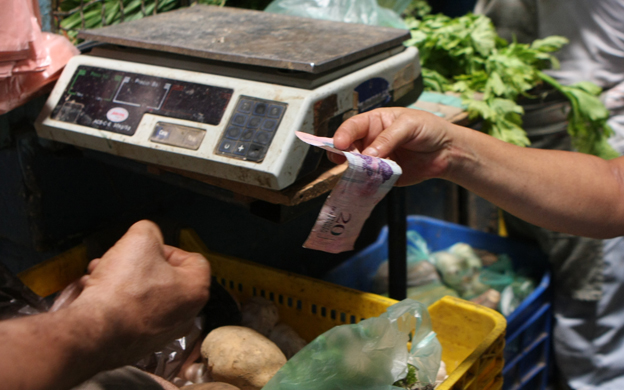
(371, 152)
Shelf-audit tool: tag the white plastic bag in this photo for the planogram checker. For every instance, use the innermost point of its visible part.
(349, 11)
(370, 355)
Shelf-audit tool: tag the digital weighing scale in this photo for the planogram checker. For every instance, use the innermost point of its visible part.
(221, 91)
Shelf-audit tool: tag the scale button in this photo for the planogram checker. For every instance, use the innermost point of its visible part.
(233, 132)
(275, 111)
(227, 146)
(245, 106)
(161, 133)
(263, 137)
(254, 121)
(260, 109)
(256, 152)
(247, 135)
(241, 148)
(239, 119)
(269, 124)
(193, 140)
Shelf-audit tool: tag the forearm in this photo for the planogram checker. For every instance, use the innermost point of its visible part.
(563, 191)
(53, 350)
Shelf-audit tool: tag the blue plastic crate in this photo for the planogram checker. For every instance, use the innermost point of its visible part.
(528, 327)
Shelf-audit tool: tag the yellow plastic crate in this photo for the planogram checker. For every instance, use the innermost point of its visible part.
(472, 337)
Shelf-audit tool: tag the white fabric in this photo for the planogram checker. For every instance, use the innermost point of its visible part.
(595, 29)
(589, 336)
(614, 101)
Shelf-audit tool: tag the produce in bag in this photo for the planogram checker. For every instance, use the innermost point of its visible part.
(430, 293)
(420, 270)
(491, 298)
(513, 295)
(369, 355)
(460, 268)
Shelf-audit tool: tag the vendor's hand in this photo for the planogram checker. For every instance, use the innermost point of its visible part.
(143, 293)
(418, 141)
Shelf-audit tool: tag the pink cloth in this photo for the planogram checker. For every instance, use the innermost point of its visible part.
(29, 58)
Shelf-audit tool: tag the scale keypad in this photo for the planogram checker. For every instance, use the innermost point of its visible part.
(251, 128)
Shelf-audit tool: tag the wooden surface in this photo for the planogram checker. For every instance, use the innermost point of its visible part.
(250, 37)
(311, 186)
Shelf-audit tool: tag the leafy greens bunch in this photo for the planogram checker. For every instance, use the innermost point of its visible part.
(82, 14)
(465, 55)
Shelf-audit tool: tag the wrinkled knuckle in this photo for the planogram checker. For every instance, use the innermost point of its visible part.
(144, 225)
(201, 261)
(384, 138)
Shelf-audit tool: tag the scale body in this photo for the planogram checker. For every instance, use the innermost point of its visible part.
(229, 113)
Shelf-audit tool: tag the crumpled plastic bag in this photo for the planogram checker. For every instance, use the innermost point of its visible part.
(370, 355)
(499, 275)
(349, 11)
(513, 288)
(513, 295)
(430, 293)
(17, 300)
(220, 310)
(420, 270)
(460, 268)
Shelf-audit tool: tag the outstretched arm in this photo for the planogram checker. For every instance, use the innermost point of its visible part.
(569, 192)
(140, 295)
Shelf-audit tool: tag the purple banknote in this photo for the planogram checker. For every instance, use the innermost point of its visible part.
(361, 187)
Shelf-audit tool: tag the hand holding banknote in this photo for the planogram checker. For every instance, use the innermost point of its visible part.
(417, 141)
(394, 141)
(366, 181)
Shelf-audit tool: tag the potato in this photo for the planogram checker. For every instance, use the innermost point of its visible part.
(288, 341)
(210, 386)
(241, 356)
(259, 314)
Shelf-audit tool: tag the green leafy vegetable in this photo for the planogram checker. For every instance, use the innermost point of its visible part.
(411, 382)
(465, 55)
(83, 14)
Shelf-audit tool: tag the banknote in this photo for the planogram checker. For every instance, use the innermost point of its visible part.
(365, 182)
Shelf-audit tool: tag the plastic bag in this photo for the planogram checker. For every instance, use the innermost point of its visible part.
(420, 271)
(349, 11)
(513, 295)
(460, 268)
(17, 300)
(491, 298)
(220, 310)
(513, 288)
(365, 356)
(430, 293)
(499, 275)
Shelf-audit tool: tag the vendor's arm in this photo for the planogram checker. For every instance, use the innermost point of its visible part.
(138, 296)
(564, 191)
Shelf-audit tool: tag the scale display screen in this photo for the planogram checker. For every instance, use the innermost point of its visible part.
(114, 100)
